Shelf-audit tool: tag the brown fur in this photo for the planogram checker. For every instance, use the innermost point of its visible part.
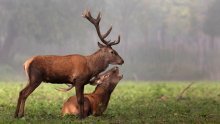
(95, 103)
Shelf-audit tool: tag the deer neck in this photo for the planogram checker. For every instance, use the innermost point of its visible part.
(103, 94)
(97, 63)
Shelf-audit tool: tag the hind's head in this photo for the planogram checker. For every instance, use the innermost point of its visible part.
(109, 79)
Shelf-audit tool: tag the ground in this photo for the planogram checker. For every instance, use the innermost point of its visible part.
(131, 102)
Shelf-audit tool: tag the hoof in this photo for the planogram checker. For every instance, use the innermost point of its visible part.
(19, 116)
(16, 116)
(81, 117)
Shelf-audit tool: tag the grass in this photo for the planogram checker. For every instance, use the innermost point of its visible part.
(131, 102)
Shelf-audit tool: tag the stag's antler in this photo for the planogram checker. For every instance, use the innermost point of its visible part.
(95, 22)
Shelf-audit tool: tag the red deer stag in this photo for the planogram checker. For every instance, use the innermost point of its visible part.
(75, 69)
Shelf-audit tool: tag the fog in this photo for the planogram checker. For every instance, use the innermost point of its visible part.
(160, 39)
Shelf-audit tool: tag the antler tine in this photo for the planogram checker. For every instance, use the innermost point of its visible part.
(95, 22)
(107, 33)
(88, 16)
(98, 17)
(85, 13)
(116, 41)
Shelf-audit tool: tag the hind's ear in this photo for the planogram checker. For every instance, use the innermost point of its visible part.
(93, 80)
(100, 45)
(106, 76)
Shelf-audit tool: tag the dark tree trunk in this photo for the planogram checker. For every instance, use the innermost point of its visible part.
(201, 52)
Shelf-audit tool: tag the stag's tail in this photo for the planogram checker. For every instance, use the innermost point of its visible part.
(70, 86)
(27, 67)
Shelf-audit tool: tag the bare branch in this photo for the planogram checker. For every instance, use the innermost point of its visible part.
(180, 96)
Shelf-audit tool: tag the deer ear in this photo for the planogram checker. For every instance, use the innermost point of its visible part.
(94, 80)
(100, 45)
(106, 76)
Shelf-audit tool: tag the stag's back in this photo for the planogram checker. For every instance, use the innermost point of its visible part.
(56, 69)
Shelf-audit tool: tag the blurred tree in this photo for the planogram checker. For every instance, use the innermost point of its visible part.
(212, 22)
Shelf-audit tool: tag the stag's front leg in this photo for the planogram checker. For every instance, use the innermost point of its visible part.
(80, 99)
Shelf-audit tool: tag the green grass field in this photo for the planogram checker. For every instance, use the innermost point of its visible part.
(131, 102)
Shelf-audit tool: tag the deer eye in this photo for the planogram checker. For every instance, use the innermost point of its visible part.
(112, 52)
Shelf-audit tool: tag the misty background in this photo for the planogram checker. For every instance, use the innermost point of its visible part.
(160, 39)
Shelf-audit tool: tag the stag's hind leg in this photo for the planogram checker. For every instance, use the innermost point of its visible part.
(24, 93)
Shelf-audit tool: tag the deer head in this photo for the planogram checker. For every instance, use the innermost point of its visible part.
(106, 48)
(109, 79)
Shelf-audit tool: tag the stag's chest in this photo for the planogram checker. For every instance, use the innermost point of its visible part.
(82, 77)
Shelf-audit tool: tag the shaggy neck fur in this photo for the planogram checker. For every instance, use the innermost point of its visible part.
(97, 62)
